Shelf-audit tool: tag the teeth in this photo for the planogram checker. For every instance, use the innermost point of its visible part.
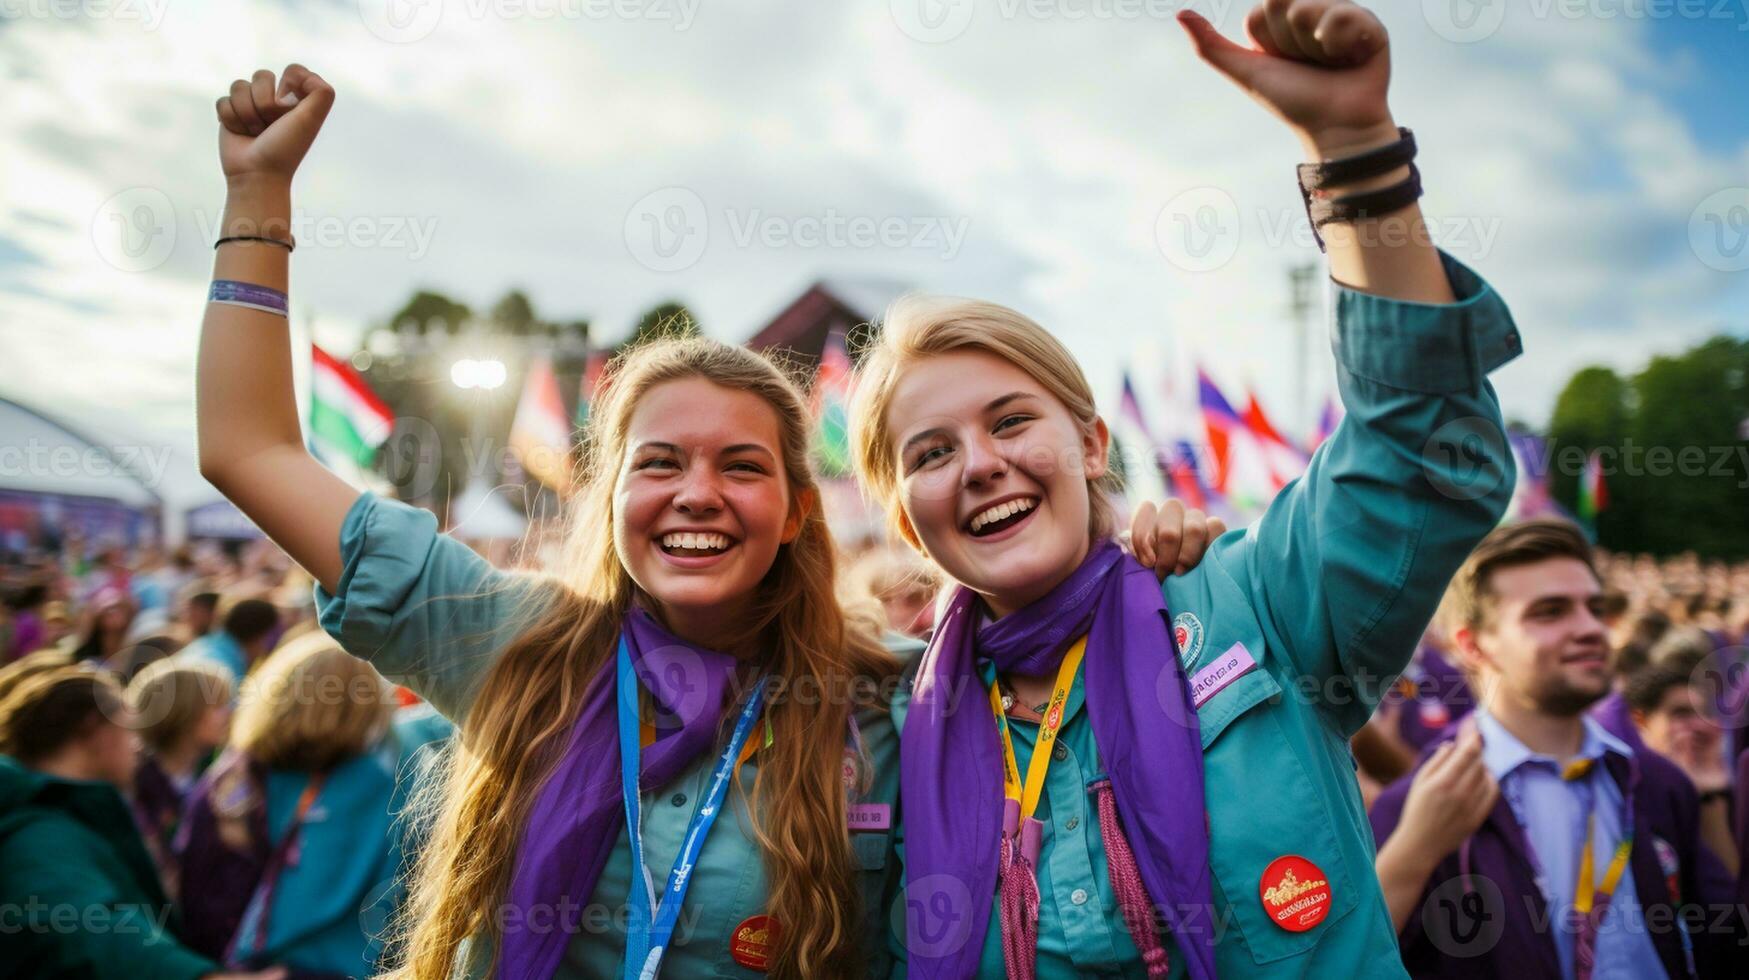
(696, 541)
(1001, 511)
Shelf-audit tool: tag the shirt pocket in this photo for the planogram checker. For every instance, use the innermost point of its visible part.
(1263, 806)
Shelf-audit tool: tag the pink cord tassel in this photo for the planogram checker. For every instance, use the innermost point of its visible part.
(1019, 914)
(1126, 884)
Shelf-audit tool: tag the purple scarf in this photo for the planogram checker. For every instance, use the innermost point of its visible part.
(578, 816)
(1144, 724)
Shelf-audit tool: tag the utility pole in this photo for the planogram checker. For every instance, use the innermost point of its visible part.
(1302, 281)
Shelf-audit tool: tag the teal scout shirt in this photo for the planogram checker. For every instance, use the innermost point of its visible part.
(1329, 592)
(432, 615)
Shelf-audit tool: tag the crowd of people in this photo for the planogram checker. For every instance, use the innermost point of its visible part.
(162, 719)
(1376, 733)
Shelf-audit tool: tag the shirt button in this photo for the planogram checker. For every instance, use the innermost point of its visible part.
(1078, 896)
(1072, 823)
(679, 799)
(1060, 753)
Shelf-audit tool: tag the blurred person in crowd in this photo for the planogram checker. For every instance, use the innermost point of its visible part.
(57, 624)
(103, 634)
(1675, 717)
(197, 609)
(900, 583)
(182, 711)
(69, 850)
(110, 571)
(1596, 839)
(28, 630)
(293, 831)
(250, 629)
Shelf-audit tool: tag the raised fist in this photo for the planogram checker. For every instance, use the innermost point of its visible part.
(264, 129)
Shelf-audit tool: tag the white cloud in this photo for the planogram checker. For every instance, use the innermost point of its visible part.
(522, 143)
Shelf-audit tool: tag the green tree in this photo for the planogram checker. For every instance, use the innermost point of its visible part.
(428, 309)
(1591, 412)
(1690, 494)
(1672, 446)
(514, 315)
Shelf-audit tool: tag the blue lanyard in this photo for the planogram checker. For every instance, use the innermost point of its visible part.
(647, 935)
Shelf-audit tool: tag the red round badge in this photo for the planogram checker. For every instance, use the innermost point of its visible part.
(1434, 714)
(752, 941)
(1295, 893)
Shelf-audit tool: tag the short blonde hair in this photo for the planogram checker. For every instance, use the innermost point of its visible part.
(310, 706)
(917, 328)
(169, 697)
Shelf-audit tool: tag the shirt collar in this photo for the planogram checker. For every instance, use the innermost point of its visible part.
(1503, 753)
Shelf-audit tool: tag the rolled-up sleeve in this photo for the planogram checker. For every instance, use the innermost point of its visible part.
(1349, 562)
(421, 606)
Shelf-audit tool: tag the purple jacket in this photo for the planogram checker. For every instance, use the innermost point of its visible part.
(1480, 912)
(1438, 697)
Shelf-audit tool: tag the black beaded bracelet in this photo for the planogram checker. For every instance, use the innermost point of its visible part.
(1372, 163)
(288, 246)
(1370, 204)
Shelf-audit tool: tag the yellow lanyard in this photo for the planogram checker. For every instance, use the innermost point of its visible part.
(1027, 794)
(1589, 890)
(647, 737)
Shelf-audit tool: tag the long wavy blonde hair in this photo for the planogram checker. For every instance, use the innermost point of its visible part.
(516, 729)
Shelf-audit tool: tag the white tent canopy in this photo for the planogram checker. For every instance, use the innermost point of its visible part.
(45, 456)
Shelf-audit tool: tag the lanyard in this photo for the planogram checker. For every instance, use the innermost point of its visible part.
(647, 935)
(1021, 799)
(1590, 896)
(251, 935)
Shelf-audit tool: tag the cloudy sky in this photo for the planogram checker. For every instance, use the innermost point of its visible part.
(1067, 157)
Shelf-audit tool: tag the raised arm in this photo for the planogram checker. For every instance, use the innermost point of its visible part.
(1348, 562)
(1324, 67)
(250, 441)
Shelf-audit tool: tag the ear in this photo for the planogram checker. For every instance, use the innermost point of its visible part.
(1638, 717)
(799, 511)
(1096, 443)
(909, 533)
(1469, 652)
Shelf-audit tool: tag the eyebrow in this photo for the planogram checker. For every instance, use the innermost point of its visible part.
(739, 447)
(994, 404)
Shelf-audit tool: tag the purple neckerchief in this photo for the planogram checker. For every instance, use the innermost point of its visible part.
(578, 815)
(1144, 725)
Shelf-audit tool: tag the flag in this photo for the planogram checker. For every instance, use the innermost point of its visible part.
(1180, 432)
(1593, 492)
(1242, 472)
(831, 404)
(1531, 496)
(348, 422)
(594, 373)
(1144, 473)
(1219, 420)
(1284, 461)
(540, 434)
(1328, 420)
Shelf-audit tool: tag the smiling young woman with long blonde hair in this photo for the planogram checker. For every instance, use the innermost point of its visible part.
(1160, 784)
